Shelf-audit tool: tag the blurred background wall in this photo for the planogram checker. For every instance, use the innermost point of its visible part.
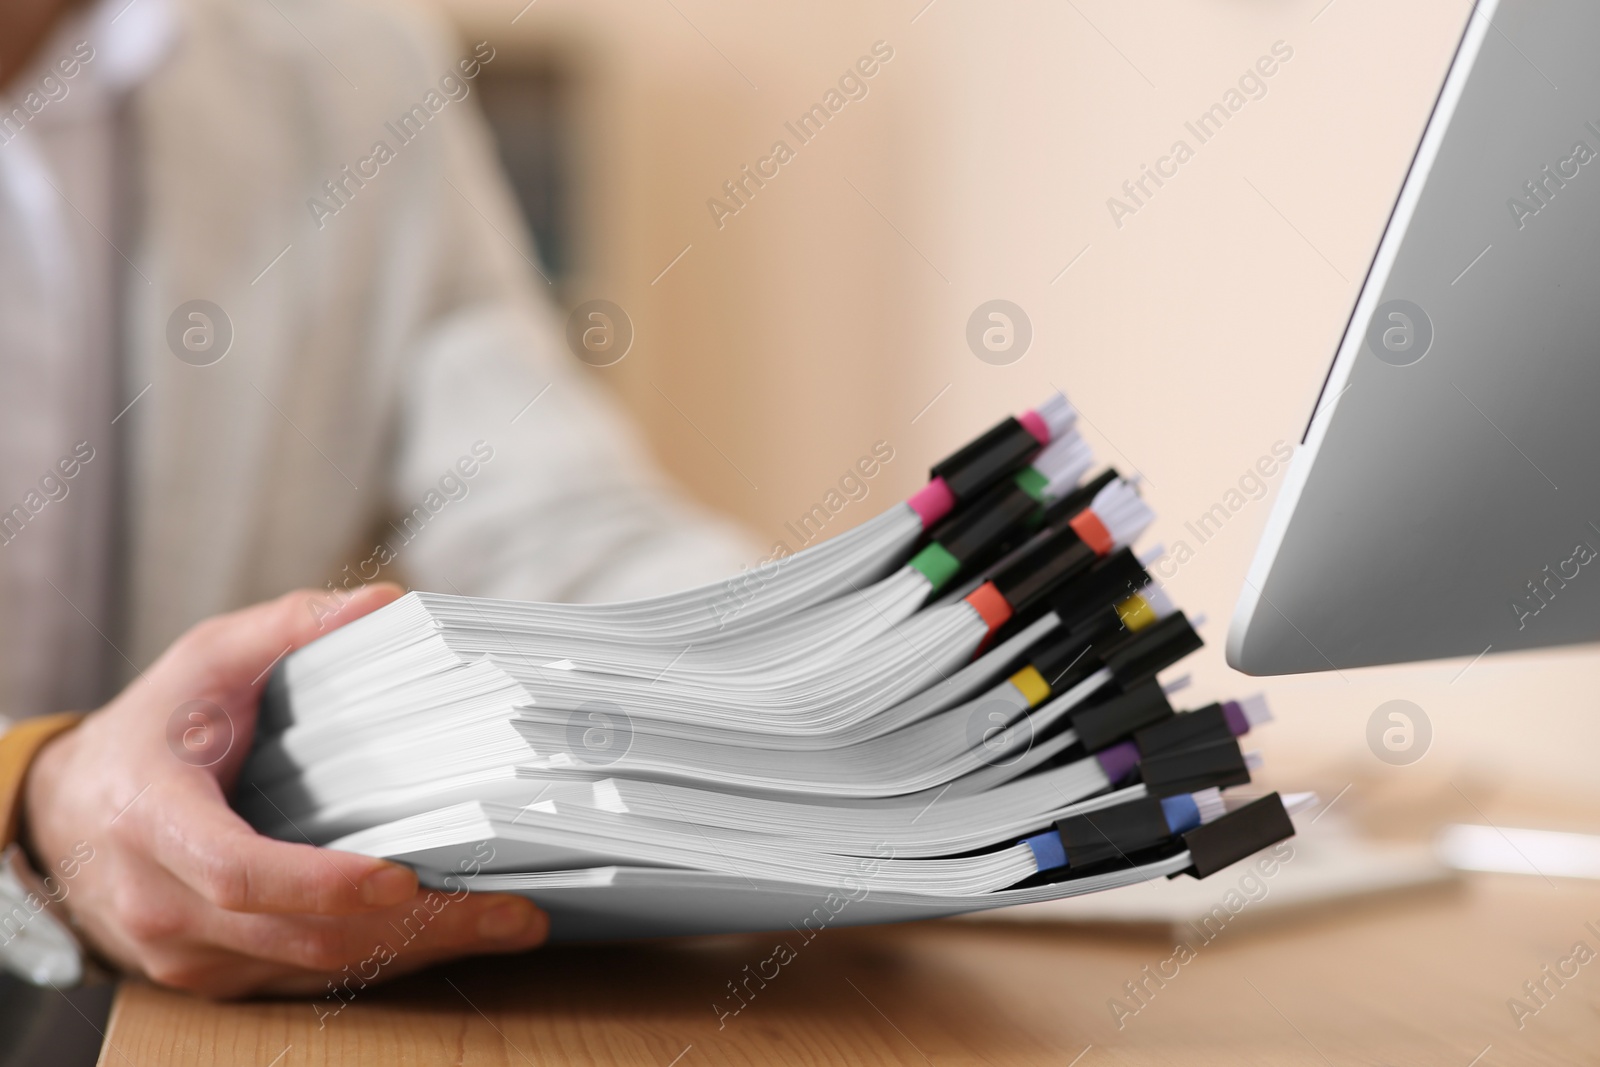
(829, 312)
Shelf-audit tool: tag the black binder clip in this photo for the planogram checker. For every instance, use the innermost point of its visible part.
(1113, 833)
(1103, 725)
(1237, 835)
(1003, 450)
(1216, 765)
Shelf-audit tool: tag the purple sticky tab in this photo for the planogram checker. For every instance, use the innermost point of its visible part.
(1119, 760)
(1237, 722)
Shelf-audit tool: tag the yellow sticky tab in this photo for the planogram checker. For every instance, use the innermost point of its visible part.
(1136, 613)
(1031, 684)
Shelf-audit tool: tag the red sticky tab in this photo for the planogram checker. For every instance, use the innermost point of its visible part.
(988, 603)
(1087, 525)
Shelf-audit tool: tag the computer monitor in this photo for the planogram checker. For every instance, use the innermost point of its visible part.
(1445, 498)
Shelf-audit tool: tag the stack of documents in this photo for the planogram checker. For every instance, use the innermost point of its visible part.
(954, 706)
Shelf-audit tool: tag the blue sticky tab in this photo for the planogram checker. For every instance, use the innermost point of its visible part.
(1048, 852)
(1181, 811)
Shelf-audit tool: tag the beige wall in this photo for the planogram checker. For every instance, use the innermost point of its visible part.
(1193, 337)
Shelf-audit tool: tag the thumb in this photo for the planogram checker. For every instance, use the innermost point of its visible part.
(327, 611)
(209, 682)
(233, 653)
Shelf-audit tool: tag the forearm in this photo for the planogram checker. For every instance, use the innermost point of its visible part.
(557, 501)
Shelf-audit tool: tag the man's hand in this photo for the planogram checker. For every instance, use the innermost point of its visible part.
(179, 888)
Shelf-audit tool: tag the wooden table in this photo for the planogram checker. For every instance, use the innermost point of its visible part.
(1420, 979)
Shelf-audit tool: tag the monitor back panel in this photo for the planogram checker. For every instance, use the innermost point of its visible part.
(1447, 497)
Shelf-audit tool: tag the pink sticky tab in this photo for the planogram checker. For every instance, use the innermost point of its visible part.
(932, 502)
(1034, 423)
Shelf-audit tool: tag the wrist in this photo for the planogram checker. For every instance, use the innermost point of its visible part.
(38, 944)
(35, 805)
(20, 746)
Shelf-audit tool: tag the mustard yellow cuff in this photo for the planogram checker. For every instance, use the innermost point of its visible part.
(18, 747)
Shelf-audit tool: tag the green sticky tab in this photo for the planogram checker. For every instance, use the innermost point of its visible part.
(1032, 482)
(936, 564)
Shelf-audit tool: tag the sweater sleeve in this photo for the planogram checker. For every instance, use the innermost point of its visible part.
(516, 475)
(18, 747)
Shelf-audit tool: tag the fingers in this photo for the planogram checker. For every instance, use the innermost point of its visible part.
(340, 988)
(429, 927)
(150, 921)
(189, 830)
(221, 974)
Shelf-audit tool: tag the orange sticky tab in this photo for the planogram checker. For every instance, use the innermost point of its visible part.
(988, 603)
(1087, 525)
